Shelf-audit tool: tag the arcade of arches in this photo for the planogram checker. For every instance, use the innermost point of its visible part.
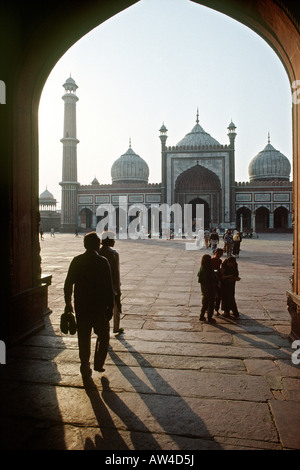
(34, 48)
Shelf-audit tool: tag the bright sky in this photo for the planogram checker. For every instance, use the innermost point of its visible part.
(158, 61)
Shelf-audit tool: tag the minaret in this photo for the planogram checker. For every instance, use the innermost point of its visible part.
(163, 137)
(232, 135)
(69, 182)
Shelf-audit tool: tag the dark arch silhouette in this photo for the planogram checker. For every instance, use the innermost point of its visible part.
(31, 46)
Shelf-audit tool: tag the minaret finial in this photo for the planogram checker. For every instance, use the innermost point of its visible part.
(197, 116)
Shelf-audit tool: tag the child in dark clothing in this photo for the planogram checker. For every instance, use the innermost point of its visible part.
(217, 267)
(208, 281)
(230, 274)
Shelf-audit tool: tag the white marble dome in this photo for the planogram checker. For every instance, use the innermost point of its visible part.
(269, 164)
(46, 196)
(197, 137)
(130, 167)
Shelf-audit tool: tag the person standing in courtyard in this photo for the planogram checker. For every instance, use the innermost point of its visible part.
(236, 244)
(217, 267)
(230, 275)
(228, 242)
(90, 275)
(107, 250)
(208, 282)
(214, 240)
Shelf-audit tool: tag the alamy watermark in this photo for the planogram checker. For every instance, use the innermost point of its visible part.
(157, 221)
(296, 354)
(2, 92)
(296, 93)
(2, 352)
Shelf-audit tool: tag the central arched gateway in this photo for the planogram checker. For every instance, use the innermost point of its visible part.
(203, 185)
(34, 48)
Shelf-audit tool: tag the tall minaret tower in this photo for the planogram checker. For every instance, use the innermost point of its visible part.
(232, 135)
(163, 137)
(69, 182)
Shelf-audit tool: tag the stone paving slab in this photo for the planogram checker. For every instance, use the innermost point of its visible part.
(148, 412)
(171, 382)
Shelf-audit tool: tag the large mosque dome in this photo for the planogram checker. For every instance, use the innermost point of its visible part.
(130, 167)
(269, 164)
(198, 137)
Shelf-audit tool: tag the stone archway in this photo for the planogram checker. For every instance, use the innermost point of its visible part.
(86, 219)
(281, 218)
(200, 183)
(35, 47)
(198, 201)
(262, 219)
(243, 219)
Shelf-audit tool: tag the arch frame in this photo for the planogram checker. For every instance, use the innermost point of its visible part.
(35, 47)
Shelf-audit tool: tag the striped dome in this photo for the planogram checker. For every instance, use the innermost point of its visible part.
(269, 164)
(130, 167)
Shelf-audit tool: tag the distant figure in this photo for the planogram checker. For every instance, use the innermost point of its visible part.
(42, 234)
(76, 232)
(52, 233)
(214, 240)
(236, 244)
(93, 300)
(208, 281)
(228, 242)
(107, 250)
(230, 274)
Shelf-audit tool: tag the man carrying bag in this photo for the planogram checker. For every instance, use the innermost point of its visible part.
(93, 301)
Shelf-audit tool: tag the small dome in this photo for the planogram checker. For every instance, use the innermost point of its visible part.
(231, 126)
(46, 195)
(95, 181)
(70, 84)
(130, 167)
(269, 164)
(163, 129)
(197, 178)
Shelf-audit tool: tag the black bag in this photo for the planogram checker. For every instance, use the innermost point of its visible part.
(68, 323)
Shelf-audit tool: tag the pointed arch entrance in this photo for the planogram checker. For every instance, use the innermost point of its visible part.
(197, 202)
(243, 219)
(200, 184)
(281, 215)
(34, 52)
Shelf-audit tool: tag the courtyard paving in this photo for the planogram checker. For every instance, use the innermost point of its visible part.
(170, 382)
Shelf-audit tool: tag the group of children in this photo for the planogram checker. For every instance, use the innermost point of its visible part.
(217, 280)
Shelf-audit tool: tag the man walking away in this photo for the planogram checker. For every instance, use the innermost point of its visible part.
(93, 301)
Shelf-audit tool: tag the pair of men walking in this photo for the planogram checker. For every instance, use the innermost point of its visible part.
(95, 275)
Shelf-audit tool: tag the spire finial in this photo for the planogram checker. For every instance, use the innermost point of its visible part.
(197, 116)
(268, 137)
(130, 142)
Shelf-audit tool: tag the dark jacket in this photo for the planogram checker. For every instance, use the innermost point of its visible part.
(208, 281)
(93, 292)
(113, 258)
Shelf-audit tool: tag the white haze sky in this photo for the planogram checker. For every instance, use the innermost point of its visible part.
(158, 61)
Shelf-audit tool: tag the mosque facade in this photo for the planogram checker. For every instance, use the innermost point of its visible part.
(198, 170)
